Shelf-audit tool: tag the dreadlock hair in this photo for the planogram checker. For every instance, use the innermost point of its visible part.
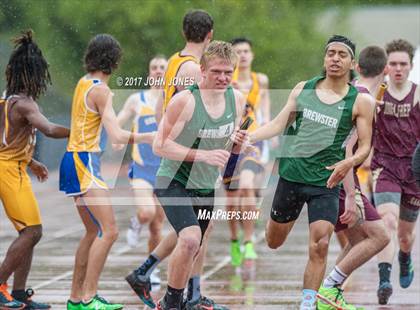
(27, 70)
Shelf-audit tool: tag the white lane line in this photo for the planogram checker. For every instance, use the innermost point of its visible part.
(226, 259)
(53, 280)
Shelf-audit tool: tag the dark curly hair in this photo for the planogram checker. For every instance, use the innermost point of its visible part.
(196, 25)
(400, 45)
(102, 54)
(27, 70)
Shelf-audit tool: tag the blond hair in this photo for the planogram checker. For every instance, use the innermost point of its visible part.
(219, 49)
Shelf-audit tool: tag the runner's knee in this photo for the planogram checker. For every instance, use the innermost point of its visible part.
(406, 238)
(318, 249)
(146, 215)
(390, 220)
(110, 233)
(34, 233)
(189, 241)
(274, 238)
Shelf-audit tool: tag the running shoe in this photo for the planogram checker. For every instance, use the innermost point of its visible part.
(133, 232)
(203, 303)
(99, 303)
(406, 273)
(384, 292)
(235, 253)
(73, 305)
(141, 288)
(249, 252)
(7, 301)
(31, 304)
(332, 298)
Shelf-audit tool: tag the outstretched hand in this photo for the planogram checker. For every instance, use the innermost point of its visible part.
(39, 170)
(349, 216)
(340, 170)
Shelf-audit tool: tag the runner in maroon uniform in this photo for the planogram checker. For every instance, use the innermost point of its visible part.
(358, 219)
(396, 194)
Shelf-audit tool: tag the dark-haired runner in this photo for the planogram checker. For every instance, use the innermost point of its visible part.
(395, 192)
(323, 111)
(358, 219)
(80, 175)
(27, 78)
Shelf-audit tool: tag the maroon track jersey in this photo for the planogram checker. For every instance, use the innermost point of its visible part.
(361, 89)
(397, 129)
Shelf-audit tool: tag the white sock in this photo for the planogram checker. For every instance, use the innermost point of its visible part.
(335, 278)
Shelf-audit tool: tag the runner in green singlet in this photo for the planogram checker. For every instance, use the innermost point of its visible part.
(320, 114)
(191, 140)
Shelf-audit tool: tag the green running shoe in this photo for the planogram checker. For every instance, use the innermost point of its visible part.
(235, 253)
(332, 298)
(99, 303)
(73, 305)
(249, 252)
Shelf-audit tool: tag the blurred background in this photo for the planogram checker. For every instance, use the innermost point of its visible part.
(288, 38)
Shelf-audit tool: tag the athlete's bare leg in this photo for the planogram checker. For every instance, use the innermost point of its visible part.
(155, 227)
(198, 265)
(365, 241)
(145, 200)
(406, 235)
(181, 261)
(82, 253)
(342, 239)
(389, 214)
(101, 245)
(320, 235)
(276, 233)
(232, 204)
(248, 203)
(20, 251)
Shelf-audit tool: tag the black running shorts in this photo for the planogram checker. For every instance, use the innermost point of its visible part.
(290, 197)
(182, 205)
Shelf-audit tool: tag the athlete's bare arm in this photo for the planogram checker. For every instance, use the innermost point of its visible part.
(189, 71)
(100, 98)
(363, 111)
(349, 215)
(279, 123)
(39, 170)
(128, 111)
(180, 110)
(28, 109)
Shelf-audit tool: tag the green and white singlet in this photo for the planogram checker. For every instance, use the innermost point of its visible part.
(318, 136)
(204, 133)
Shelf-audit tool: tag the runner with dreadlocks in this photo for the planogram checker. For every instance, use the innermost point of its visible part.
(27, 78)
